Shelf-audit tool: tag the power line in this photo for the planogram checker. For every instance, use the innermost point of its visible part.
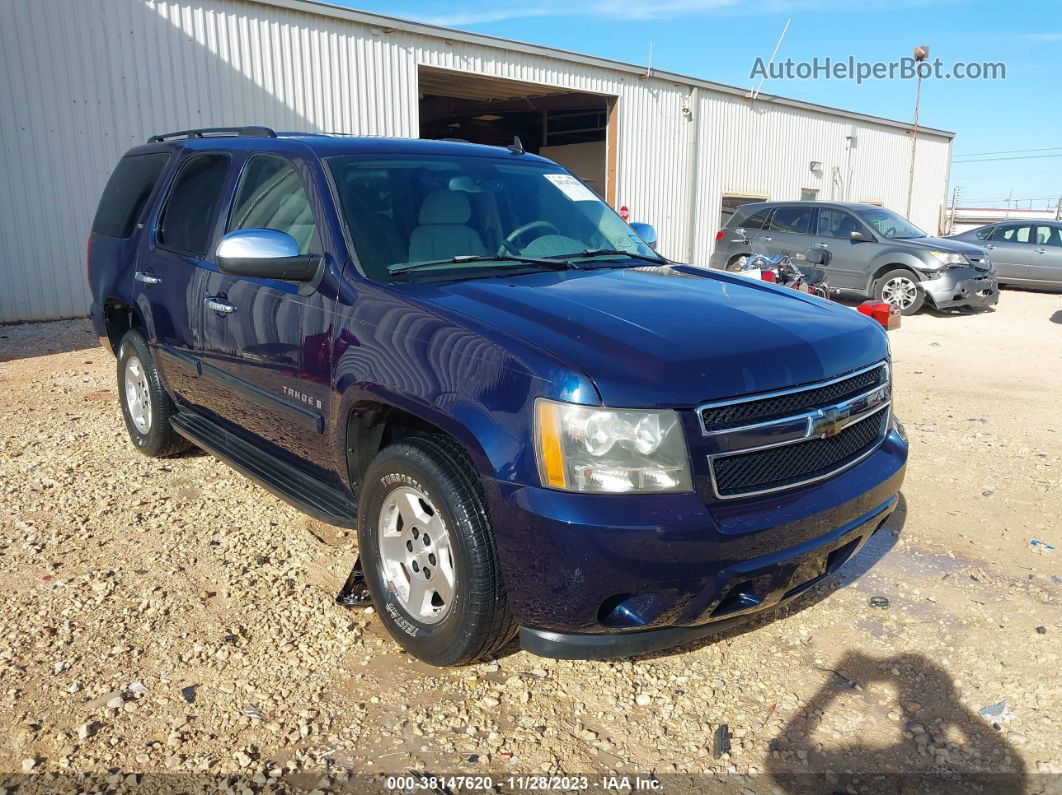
(1010, 151)
(995, 159)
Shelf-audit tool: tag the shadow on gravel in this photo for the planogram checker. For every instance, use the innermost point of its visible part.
(934, 743)
(29, 340)
(873, 551)
(1057, 317)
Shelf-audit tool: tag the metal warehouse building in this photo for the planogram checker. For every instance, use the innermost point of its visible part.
(83, 80)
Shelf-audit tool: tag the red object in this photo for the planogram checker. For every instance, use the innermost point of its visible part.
(720, 234)
(886, 314)
(767, 276)
(624, 212)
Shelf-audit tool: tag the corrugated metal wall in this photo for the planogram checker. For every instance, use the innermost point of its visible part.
(83, 80)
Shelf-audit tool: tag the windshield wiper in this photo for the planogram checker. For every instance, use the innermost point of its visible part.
(604, 252)
(557, 264)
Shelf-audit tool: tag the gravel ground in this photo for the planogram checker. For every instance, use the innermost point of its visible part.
(170, 616)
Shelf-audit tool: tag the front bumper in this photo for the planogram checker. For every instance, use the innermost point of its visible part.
(594, 576)
(963, 287)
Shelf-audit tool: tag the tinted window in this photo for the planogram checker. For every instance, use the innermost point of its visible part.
(791, 219)
(1049, 236)
(271, 196)
(757, 220)
(835, 223)
(1013, 234)
(126, 194)
(984, 232)
(730, 204)
(188, 217)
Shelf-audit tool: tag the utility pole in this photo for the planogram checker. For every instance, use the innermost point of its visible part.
(1058, 209)
(954, 204)
(921, 53)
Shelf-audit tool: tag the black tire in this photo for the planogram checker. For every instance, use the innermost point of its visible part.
(887, 284)
(157, 438)
(477, 622)
(732, 264)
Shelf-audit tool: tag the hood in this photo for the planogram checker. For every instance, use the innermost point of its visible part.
(943, 244)
(671, 336)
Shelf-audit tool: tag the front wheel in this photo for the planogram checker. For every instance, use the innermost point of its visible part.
(428, 551)
(900, 288)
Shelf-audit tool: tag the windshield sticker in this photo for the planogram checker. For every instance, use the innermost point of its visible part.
(572, 188)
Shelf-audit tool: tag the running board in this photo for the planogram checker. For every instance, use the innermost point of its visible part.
(292, 485)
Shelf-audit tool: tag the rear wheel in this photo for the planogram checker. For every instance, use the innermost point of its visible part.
(145, 405)
(737, 263)
(428, 551)
(900, 288)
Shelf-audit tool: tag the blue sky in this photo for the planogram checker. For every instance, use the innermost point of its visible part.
(720, 40)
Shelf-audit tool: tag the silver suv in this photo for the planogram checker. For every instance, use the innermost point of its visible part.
(871, 251)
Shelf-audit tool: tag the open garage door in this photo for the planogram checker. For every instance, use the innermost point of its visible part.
(576, 129)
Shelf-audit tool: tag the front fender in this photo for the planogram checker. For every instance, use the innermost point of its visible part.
(476, 384)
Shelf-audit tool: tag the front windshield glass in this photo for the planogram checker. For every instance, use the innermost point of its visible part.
(404, 210)
(888, 224)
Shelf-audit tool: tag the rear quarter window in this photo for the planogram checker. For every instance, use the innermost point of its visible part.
(127, 192)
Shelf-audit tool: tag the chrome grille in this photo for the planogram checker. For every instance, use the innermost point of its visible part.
(788, 465)
(779, 440)
(732, 414)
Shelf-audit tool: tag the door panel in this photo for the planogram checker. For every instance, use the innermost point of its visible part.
(1010, 248)
(171, 274)
(848, 265)
(1045, 262)
(271, 351)
(789, 232)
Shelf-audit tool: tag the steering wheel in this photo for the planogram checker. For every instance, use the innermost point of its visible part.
(520, 231)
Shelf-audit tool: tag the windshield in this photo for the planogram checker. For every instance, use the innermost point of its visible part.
(402, 211)
(888, 224)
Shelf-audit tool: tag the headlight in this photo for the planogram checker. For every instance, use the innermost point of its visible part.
(947, 258)
(613, 451)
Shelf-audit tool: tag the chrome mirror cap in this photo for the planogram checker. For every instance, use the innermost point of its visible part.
(257, 244)
(646, 232)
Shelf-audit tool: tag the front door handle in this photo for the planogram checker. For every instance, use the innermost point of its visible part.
(1040, 251)
(824, 245)
(147, 278)
(989, 246)
(766, 239)
(224, 307)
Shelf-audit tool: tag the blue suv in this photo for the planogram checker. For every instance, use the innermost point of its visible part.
(536, 423)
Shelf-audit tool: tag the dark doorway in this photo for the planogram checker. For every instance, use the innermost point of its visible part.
(574, 129)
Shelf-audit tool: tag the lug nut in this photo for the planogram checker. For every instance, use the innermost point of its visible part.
(427, 573)
(416, 567)
(409, 545)
(431, 559)
(416, 532)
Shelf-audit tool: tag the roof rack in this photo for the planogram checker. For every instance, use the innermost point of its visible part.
(204, 132)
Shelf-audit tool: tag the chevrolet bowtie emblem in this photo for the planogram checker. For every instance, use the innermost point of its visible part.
(830, 422)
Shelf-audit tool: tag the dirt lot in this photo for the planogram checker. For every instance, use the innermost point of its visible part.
(170, 616)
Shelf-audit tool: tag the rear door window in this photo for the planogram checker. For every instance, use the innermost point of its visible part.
(271, 196)
(1049, 236)
(187, 220)
(127, 192)
(792, 219)
(758, 220)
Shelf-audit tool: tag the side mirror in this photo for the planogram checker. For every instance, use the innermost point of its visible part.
(646, 233)
(858, 236)
(815, 256)
(265, 254)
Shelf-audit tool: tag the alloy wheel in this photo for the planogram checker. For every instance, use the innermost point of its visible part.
(417, 557)
(137, 394)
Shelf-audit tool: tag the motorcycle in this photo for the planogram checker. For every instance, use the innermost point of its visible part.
(808, 277)
(782, 269)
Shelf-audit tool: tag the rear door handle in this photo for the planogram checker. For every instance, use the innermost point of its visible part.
(1040, 251)
(824, 245)
(224, 307)
(989, 246)
(147, 278)
(767, 239)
